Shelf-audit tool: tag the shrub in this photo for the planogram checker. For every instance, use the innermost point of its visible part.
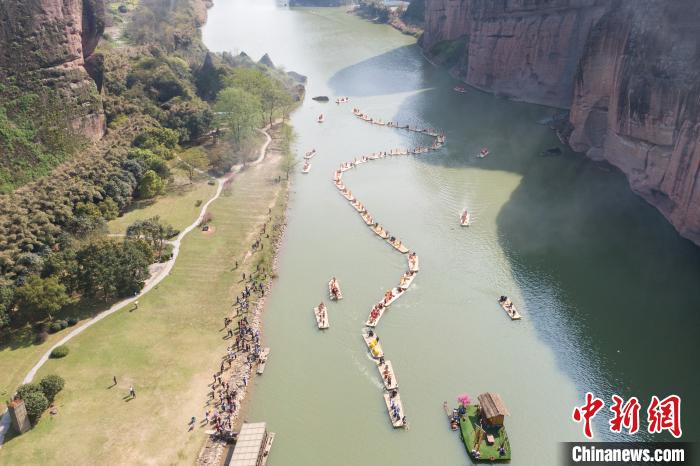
(198, 203)
(51, 385)
(28, 388)
(72, 321)
(55, 327)
(62, 323)
(41, 337)
(35, 403)
(60, 352)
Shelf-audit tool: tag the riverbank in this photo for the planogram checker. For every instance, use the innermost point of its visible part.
(159, 349)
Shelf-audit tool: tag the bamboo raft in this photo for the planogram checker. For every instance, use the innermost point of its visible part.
(330, 291)
(407, 279)
(510, 309)
(322, 320)
(262, 360)
(398, 245)
(413, 264)
(397, 401)
(306, 169)
(372, 342)
(311, 154)
(390, 372)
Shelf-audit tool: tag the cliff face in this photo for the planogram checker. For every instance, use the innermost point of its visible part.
(48, 42)
(523, 49)
(637, 103)
(628, 69)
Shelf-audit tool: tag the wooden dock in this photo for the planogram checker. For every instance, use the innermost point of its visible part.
(262, 360)
(390, 382)
(322, 318)
(372, 342)
(396, 421)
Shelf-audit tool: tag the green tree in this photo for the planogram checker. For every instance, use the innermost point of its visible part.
(151, 185)
(112, 269)
(151, 230)
(41, 297)
(239, 110)
(35, 403)
(51, 385)
(194, 160)
(274, 99)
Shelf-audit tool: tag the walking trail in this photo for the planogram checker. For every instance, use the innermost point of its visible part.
(159, 273)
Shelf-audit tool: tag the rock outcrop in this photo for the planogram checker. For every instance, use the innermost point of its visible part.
(629, 70)
(45, 43)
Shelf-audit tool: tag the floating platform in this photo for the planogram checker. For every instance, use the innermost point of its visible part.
(372, 342)
(262, 360)
(510, 309)
(330, 291)
(397, 423)
(322, 319)
(391, 375)
(488, 443)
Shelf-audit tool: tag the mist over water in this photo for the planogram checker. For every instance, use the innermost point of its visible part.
(608, 291)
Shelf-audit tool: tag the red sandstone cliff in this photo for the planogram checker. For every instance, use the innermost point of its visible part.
(48, 41)
(628, 69)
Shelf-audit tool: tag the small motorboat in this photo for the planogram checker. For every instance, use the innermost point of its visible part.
(464, 218)
(509, 307)
(321, 98)
(483, 152)
(334, 290)
(320, 118)
(459, 89)
(307, 168)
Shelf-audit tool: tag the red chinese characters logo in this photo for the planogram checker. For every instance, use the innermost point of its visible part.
(625, 415)
(662, 415)
(665, 415)
(587, 412)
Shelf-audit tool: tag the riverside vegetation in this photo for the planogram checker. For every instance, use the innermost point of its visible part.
(163, 95)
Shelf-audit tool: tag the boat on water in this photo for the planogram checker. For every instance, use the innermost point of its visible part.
(262, 360)
(509, 307)
(372, 342)
(464, 218)
(386, 372)
(310, 154)
(342, 100)
(483, 152)
(379, 231)
(406, 279)
(413, 264)
(398, 245)
(307, 168)
(321, 313)
(459, 89)
(321, 98)
(320, 119)
(395, 409)
(334, 290)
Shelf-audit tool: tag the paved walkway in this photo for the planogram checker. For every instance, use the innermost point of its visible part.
(152, 281)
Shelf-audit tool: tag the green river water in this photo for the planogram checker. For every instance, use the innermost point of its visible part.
(608, 291)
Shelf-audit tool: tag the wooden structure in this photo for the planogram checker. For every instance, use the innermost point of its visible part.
(18, 416)
(262, 360)
(252, 445)
(493, 410)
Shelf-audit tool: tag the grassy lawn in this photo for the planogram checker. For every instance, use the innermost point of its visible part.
(178, 207)
(168, 348)
(467, 425)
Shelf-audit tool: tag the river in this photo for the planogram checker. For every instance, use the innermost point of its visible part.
(608, 290)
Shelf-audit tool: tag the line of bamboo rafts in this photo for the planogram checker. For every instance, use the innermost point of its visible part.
(392, 398)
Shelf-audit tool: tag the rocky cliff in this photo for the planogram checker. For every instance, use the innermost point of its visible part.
(629, 70)
(45, 43)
